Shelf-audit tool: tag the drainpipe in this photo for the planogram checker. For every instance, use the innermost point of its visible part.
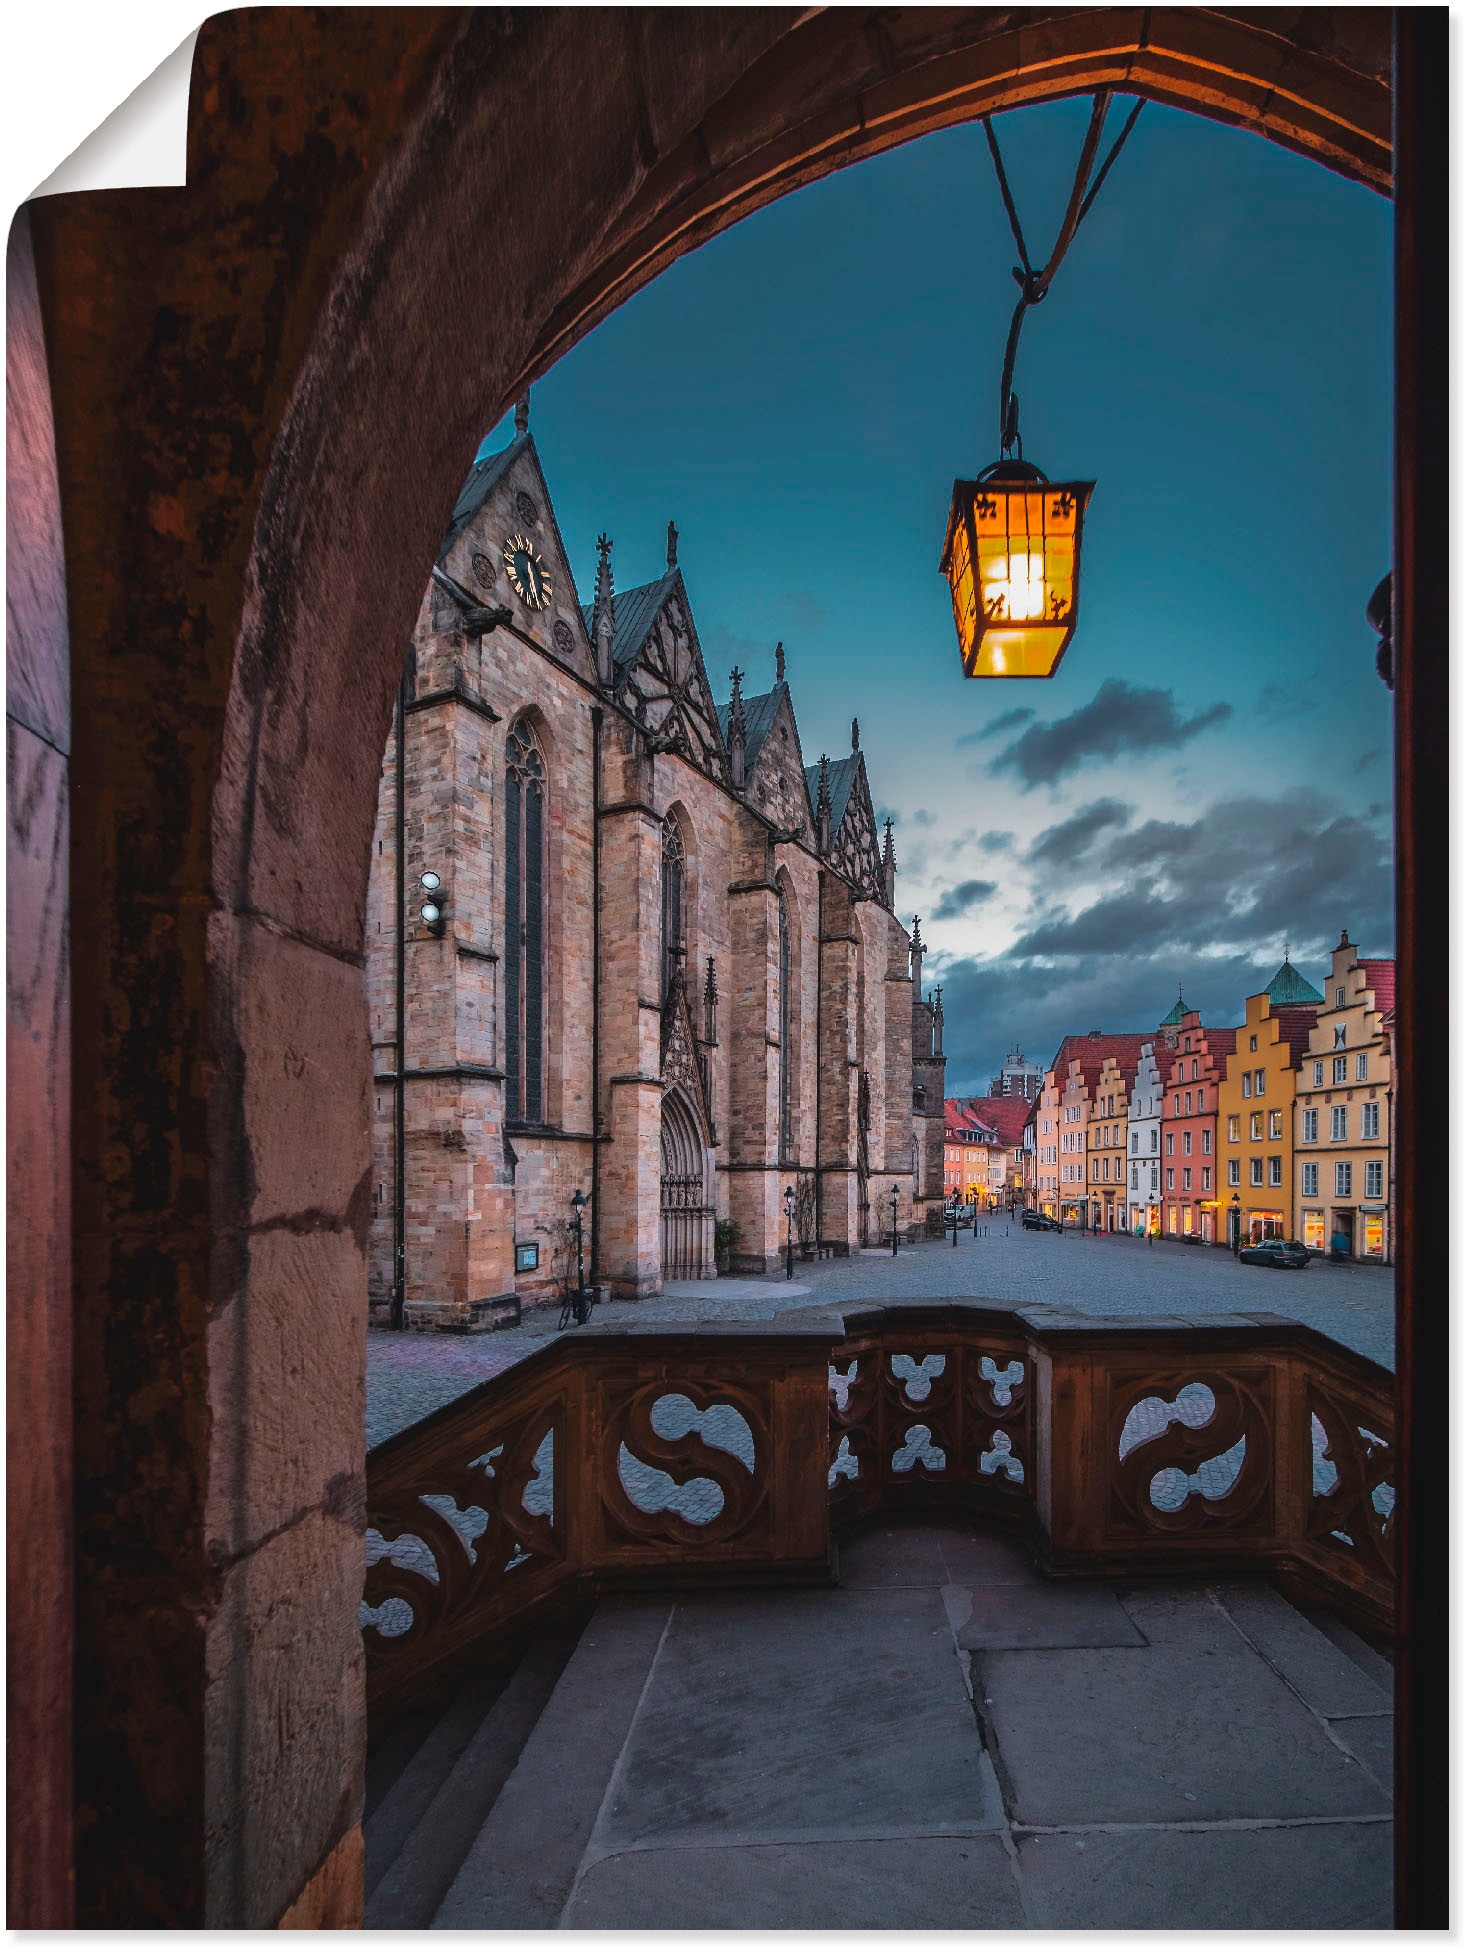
(399, 1111)
(597, 718)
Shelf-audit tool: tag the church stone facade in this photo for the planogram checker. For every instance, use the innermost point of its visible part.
(622, 941)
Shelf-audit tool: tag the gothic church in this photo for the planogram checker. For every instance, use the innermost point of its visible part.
(621, 941)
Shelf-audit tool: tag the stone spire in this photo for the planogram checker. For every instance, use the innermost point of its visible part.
(737, 730)
(521, 416)
(918, 950)
(710, 1003)
(778, 663)
(822, 808)
(603, 615)
(671, 546)
(855, 734)
(888, 865)
(937, 1020)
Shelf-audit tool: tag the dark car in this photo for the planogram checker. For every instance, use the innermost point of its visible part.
(1038, 1221)
(1286, 1253)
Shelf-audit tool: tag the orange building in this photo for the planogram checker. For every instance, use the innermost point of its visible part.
(969, 1147)
(1255, 1110)
(1008, 1158)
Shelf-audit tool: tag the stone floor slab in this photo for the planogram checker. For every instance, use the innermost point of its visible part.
(1318, 1671)
(962, 1883)
(884, 1559)
(1333, 1876)
(1194, 1727)
(1045, 1617)
(979, 1559)
(1372, 1742)
(803, 1715)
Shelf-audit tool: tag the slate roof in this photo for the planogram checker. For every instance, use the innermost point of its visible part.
(1288, 986)
(842, 777)
(483, 477)
(636, 611)
(1379, 978)
(1006, 1114)
(758, 720)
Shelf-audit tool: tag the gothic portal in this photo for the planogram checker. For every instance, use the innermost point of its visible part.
(622, 941)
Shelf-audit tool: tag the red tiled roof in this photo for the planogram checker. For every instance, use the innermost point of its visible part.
(1294, 1022)
(1090, 1051)
(1005, 1114)
(961, 1119)
(1379, 977)
(1219, 1044)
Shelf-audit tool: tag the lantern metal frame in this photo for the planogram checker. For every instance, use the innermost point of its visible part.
(995, 641)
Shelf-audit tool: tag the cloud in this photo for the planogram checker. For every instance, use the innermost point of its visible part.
(961, 899)
(921, 817)
(723, 647)
(1063, 844)
(1120, 720)
(1363, 764)
(808, 613)
(1009, 721)
(997, 842)
(1207, 902)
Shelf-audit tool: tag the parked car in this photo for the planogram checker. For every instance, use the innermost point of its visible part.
(1284, 1253)
(1038, 1221)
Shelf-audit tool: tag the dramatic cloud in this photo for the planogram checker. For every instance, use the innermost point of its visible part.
(959, 900)
(1062, 845)
(1207, 903)
(1120, 720)
(1009, 721)
(997, 842)
(921, 817)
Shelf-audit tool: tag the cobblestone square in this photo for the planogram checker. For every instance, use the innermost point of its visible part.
(411, 1374)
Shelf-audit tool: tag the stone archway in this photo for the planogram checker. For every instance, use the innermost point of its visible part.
(238, 386)
(687, 1206)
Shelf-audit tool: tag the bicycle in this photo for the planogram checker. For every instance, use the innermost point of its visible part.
(576, 1305)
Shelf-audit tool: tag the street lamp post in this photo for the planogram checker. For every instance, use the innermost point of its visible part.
(952, 1214)
(1234, 1218)
(582, 1304)
(789, 1231)
(895, 1206)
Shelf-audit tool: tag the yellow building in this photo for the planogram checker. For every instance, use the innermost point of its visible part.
(1109, 1125)
(1345, 1094)
(1255, 1110)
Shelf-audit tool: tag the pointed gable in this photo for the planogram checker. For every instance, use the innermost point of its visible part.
(773, 763)
(661, 678)
(855, 849)
(504, 496)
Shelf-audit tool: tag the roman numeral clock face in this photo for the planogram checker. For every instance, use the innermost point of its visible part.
(527, 572)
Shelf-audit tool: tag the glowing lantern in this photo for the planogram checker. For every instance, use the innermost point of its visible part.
(1012, 559)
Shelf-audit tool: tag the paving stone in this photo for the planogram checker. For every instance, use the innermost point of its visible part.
(881, 1559)
(1319, 1672)
(1194, 1727)
(1372, 1742)
(1326, 1876)
(1045, 1617)
(907, 1884)
(979, 1559)
(519, 1872)
(803, 1715)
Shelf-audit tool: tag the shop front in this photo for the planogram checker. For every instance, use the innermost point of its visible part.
(1264, 1225)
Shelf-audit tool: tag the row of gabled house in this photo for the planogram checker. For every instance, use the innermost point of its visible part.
(985, 1160)
(1277, 1128)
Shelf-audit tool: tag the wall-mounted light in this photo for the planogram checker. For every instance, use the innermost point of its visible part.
(431, 908)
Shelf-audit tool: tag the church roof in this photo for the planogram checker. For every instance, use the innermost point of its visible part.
(483, 477)
(1177, 1014)
(843, 773)
(758, 720)
(1288, 987)
(636, 611)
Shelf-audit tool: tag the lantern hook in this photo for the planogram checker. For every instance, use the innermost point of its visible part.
(1033, 286)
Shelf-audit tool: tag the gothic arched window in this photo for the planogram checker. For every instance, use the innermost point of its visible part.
(524, 927)
(785, 1066)
(673, 880)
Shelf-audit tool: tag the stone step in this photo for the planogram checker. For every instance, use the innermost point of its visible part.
(387, 1762)
(408, 1892)
(1374, 1664)
(406, 1800)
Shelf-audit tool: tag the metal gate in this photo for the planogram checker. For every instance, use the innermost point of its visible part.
(687, 1216)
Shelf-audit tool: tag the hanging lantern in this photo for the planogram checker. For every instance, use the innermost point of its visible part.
(1012, 559)
(1011, 556)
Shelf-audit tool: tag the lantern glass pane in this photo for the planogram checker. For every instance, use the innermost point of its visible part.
(964, 599)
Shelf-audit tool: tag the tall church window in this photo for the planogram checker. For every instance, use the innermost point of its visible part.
(524, 927)
(673, 884)
(785, 1075)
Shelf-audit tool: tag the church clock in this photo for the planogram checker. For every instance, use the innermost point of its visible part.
(527, 572)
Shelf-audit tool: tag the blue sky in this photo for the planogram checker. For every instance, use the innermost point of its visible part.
(1209, 774)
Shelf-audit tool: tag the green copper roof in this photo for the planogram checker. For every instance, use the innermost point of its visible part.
(1177, 1014)
(1287, 985)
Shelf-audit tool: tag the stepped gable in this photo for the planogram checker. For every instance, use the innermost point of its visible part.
(1005, 1115)
(773, 761)
(661, 679)
(506, 495)
(855, 850)
(1090, 1052)
(1379, 979)
(1288, 986)
(1294, 1024)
